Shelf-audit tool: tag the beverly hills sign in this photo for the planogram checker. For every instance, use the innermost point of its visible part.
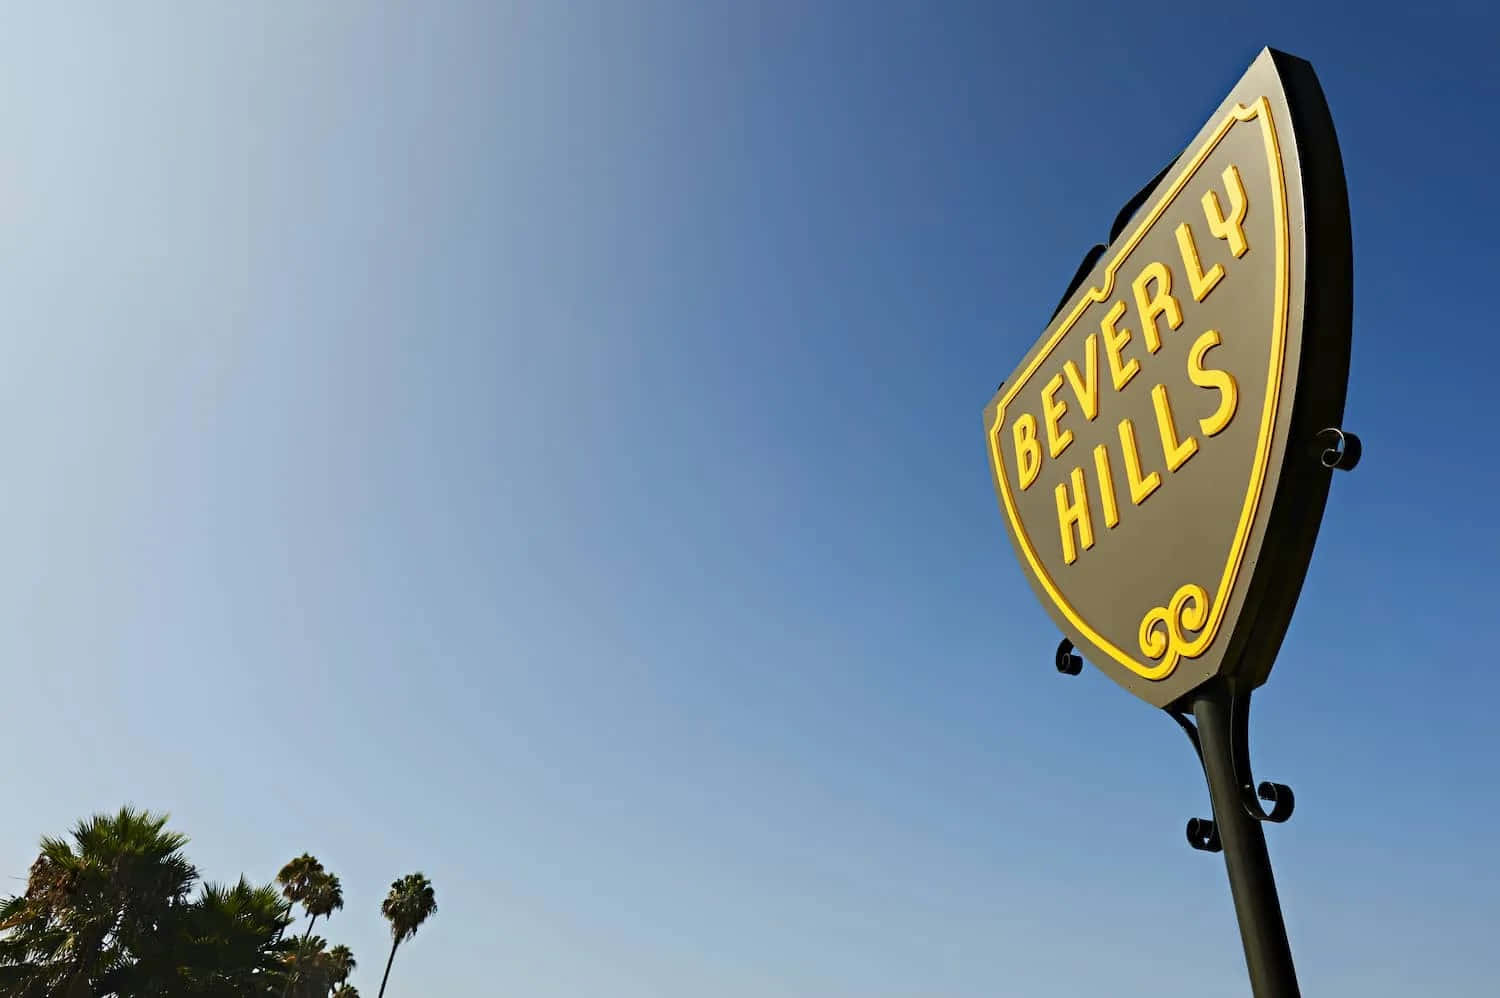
(1156, 453)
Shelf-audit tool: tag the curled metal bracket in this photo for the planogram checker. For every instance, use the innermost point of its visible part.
(1281, 799)
(1202, 833)
(1278, 795)
(1338, 449)
(1067, 662)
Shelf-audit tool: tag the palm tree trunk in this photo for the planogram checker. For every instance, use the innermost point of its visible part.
(310, 923)
(389, 960)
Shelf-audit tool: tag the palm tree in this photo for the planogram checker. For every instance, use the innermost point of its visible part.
(409, 904)
(225, 943)
(314, 970)
(117, 881)
(324, 897)
(238, 932)
(298, 877)
(341, 964)
(320, 893)
(346, 991)
(309, 969)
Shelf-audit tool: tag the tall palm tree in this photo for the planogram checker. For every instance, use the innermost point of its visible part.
(325, 897)
(409, 904)
(299, 877)
(118, 880)
(346, 991)
(319, 892)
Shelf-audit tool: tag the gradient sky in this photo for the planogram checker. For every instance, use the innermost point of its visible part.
(540, 445)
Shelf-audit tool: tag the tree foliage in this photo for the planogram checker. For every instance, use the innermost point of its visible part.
(115, 910)
(409, 903)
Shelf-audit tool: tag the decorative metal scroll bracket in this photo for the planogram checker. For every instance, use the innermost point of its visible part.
(1203, 833)
(1338, 449)
(1069, 663)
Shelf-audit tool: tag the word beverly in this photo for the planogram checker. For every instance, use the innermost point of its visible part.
(1132, 473)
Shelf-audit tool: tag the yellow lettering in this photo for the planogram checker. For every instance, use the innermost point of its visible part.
(1120, 372)
(1086, 388)
(1028, 451)
(1074, 513)
(1141, 486)
(1153, 306)
(1176, 452)
(1207, 377)
(1052, 411)
(1200, 282)
(1106, 486)
(1233, 227)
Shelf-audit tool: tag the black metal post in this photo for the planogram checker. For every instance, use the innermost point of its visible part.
(1267, 952)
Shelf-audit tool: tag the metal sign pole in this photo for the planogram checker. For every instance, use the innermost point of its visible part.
(1237, 829)
(1221, 737)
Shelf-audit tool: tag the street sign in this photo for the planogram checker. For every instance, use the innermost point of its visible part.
(1162, 454)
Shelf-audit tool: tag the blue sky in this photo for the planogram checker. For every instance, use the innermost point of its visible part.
(539, 445)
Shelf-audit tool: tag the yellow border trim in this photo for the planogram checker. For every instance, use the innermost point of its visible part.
(1261, 110)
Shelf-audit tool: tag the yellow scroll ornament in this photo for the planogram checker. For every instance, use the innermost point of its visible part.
(1163, 635)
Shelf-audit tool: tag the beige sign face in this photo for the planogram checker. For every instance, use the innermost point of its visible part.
(1138, 449)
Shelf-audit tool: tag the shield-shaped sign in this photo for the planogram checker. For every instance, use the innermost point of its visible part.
(1157, 453)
